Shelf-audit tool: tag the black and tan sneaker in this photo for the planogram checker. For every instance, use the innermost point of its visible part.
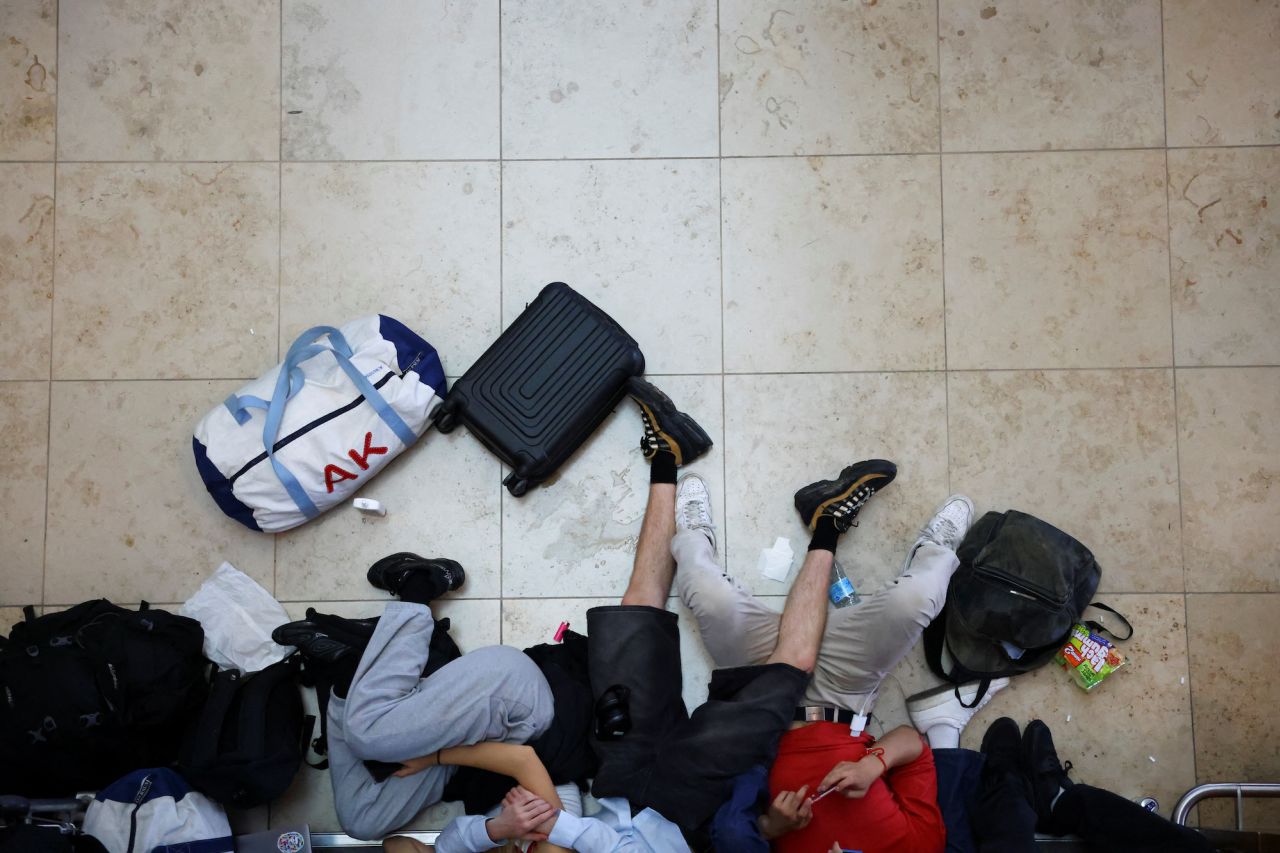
(442, 575)
(843, 497)
(666, 427)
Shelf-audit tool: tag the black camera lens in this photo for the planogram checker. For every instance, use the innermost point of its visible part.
(613, 712)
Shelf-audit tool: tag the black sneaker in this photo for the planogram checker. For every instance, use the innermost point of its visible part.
(1002, 745)
(843, 497)
(390, 573)
(1042, 768)
(315, 642)
(666, 427)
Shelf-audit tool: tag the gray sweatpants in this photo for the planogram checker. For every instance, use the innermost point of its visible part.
(862, 643)
(392, 714)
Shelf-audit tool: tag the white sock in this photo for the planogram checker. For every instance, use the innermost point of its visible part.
(943, 736)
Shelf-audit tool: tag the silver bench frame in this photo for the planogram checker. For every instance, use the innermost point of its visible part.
(1219, 790)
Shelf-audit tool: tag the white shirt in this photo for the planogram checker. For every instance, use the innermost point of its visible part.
(610, 829)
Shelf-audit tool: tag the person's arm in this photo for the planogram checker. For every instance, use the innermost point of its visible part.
(508, 759)
(854, 778)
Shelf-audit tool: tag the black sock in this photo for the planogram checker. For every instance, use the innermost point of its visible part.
(825, 535)
(663, 468)
(421, 587)
(343, 672)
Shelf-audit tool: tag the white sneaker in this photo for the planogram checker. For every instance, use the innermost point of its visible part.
(947, 528)
(693, 507)
(940, 707)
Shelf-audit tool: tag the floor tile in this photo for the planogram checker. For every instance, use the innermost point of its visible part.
(1226, 270)
(310, 799)
(416, 241)
(24, 421)
(1221, 74)
(129, 517)
(1043, 74)
(817, 248)
(9, 616)
(1235, 694)
(609, 80)
(1091, 452)
(29, 62)
(195, 249)
(639, 238)
(576, 535)
(1230, 461)
(783, 432)
(26, 268)
(442, 500)
(1141, 712)
(828, 77)
(1056, 260)
(169, 80)
(530, 621)
(393, 81)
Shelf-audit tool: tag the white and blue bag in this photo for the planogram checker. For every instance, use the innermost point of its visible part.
(155, 811)
(306, 435)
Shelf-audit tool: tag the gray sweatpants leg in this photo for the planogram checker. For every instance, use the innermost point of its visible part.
(392, 714)
(861, 644)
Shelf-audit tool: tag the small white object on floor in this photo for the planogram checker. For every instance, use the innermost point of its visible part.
(238, 616)
(1068, 718)
(775, 562)
(369, 506)
(1152, 758)
(1182, 679)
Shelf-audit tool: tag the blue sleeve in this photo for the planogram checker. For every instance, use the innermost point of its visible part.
(734, 828)
(465, 834)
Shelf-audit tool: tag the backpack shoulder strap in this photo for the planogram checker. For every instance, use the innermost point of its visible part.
(1098, 626)
(208, 731)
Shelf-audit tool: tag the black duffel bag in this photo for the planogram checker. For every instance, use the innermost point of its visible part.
(90, 693)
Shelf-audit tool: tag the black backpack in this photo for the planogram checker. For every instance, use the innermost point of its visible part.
(90, 693)
(249, 741)
(1022, 583)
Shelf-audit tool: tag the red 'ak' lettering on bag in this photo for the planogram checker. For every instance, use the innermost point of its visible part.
(362, 459)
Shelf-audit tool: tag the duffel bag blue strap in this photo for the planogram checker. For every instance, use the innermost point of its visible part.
(301, 350)
(240, 404)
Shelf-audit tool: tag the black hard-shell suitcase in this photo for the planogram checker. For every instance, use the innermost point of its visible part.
(544, 385)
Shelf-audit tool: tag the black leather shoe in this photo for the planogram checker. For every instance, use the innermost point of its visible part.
(1042, 768)
(1002, 745)
(666, 427)
(390, 573)
(844, 497)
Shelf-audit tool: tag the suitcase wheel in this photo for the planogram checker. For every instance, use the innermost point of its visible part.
(517, 486)
(446, 421)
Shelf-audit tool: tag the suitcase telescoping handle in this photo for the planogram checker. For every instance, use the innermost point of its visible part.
(289, 382)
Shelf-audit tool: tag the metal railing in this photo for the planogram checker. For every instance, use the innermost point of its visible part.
(1219, 790)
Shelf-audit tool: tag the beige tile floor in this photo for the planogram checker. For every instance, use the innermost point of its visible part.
(1029, 250)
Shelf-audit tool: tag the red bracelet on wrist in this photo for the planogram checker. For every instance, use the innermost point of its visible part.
(878, 752)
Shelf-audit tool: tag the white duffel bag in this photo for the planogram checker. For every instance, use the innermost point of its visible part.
(309, 433)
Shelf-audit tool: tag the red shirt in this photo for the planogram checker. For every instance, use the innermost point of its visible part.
(899, 814)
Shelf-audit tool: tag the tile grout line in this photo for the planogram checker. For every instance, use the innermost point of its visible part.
(801, 156)
(724, 394)
(942, 243)
(1173, 375)
(53, 280)
(502, 498)
(275, 540)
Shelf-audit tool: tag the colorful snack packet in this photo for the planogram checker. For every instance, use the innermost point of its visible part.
(1089, 657)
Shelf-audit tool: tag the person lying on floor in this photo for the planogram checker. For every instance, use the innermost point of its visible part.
(876, 795)
(474, 711)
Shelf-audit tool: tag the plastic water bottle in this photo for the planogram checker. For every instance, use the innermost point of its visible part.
(842, 593)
